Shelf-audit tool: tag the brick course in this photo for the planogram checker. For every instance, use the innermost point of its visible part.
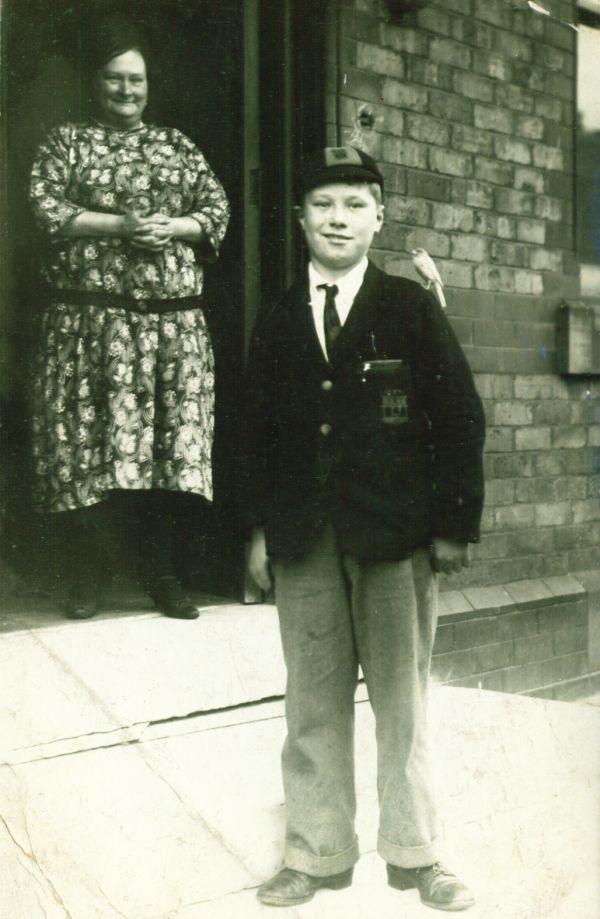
(530, 647)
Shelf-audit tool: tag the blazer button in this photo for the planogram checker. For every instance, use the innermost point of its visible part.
(325, 429)
(326, 385)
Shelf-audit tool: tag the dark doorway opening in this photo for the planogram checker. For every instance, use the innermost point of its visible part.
(293, 77)
(195, 80)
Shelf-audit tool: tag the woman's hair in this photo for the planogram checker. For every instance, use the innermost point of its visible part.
(111, 37)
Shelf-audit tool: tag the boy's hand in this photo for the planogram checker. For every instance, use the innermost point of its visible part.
(258, 561)
(449, 555)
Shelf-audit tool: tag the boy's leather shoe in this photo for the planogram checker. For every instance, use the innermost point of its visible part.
(437, 886)
(291, 887)
(171, 599)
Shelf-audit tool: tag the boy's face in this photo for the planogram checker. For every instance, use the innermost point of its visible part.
(339, 223)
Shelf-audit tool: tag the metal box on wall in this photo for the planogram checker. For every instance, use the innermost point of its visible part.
(578, 340)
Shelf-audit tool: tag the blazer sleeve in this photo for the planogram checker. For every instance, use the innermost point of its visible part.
(457, 425)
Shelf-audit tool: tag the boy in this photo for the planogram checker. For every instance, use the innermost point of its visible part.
(365, 438)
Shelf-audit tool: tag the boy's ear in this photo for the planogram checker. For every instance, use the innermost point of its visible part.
(299, 213)
(380, 215)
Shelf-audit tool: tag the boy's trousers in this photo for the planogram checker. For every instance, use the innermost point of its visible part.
(336, 611)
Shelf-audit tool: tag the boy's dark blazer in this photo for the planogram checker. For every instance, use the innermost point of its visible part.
(392, 460)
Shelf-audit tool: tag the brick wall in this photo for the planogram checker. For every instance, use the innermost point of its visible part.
(469, 107)
(542, 513)
(527, 650)
(529, 636)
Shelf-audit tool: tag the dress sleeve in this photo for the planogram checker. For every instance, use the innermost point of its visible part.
(51, 178)
(210, 206)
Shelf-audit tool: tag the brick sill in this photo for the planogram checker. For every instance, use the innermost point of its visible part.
(479, 602)
(532, 636)
(577, 689)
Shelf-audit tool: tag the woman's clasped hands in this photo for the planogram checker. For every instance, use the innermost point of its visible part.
(152, 233)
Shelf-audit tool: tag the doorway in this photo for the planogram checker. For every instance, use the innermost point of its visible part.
(244, 81)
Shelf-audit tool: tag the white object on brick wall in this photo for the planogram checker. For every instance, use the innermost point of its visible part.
(426, 269)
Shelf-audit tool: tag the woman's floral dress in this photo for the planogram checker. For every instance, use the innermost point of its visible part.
(123, 398)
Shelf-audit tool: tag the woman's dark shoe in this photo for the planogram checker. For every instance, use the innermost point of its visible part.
(81, 601)
(438, 887)
(171, 599)
(291, 887)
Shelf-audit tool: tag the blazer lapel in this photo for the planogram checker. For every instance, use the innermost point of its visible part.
(302, 326)
(359, 326)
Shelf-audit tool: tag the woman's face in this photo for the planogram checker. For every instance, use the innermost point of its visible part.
(122, 90)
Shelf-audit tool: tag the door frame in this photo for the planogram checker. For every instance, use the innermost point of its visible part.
(284, 119)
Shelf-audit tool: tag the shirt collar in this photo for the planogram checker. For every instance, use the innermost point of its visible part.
(348, 284)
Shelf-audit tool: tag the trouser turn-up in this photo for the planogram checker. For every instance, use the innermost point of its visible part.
(336, 611)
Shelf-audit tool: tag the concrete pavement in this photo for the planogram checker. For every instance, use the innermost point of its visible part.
(140, 779)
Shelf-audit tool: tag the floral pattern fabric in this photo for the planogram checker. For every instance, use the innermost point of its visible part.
(123, 399)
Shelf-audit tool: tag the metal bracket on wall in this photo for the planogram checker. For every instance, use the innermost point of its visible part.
(578, 340)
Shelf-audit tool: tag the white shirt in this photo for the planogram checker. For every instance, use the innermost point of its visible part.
(348, 286)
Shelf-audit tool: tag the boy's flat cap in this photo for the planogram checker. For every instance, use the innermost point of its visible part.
(338, 164)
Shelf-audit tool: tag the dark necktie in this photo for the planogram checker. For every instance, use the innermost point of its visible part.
(331, 320)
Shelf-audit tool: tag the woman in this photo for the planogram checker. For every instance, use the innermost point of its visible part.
(125, 386)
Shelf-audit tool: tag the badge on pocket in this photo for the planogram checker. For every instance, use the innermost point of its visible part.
(388, 379)
(394, 406)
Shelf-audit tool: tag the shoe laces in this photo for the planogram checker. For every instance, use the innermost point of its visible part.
(435, 869)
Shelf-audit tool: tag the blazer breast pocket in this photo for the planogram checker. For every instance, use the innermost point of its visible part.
(387, 387)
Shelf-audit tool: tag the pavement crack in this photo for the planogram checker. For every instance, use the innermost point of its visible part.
(75, 677)
(32, 859)
(140, 727)
(292, 912)
(222, 727)
(192, 812)
(235, 667)
(110, 902)
(107, 746)
(48, 743)
(216, 711)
